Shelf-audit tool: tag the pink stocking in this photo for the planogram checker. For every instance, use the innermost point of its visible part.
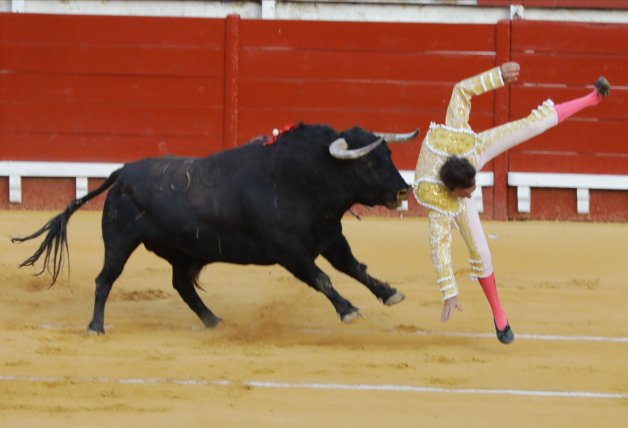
(490, 291)
(569, 108)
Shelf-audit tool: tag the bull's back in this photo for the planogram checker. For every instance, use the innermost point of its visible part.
(189, 205)
(189, 182)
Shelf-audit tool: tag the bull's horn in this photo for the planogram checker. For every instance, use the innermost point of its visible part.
(398, 138)
(340, 149)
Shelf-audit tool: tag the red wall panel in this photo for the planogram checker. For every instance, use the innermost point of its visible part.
(101, 148)
(74, 85)
(364, 36)
(561, 61)
(384, 77)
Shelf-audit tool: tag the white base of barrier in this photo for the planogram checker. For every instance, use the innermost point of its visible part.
(524, 181)
(81, 171)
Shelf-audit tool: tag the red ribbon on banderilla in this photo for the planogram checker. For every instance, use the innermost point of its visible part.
(278, 132)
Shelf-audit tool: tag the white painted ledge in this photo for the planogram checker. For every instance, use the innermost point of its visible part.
(524, 181)
(80, 171)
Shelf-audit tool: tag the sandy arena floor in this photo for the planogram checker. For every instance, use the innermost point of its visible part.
(281, 358)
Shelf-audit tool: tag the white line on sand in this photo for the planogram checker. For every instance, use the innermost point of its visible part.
(518, 336)
(317, 386)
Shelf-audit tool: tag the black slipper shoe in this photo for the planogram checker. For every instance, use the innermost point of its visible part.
(506, 335)
(602, 86)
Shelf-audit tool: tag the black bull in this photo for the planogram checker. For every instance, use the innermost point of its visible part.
(259, 203)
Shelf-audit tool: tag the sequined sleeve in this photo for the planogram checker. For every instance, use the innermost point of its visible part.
(440, 247)
(460, 102)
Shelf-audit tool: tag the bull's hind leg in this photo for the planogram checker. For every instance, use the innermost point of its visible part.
(121, 233)
(340, 256)
(184, 275)
(117, 252)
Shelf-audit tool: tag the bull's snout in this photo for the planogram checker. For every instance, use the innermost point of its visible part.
(402, 195)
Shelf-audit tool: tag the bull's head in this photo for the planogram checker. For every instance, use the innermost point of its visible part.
(381, 183)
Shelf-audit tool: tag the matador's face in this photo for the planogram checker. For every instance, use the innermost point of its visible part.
(464, 192)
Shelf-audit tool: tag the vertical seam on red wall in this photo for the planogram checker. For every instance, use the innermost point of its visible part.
(232, 64)
(502, 115)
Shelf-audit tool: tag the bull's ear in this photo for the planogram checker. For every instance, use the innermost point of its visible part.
(340, 149)
(397, 138)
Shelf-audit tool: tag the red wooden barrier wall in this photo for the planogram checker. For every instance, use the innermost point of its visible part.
(98, 88)
(386, 77)
(114, 89)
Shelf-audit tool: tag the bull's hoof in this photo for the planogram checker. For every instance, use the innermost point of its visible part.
(603, 87)
(394, 299)
(212, 322)
(92, 332)
(351, 316)
(95, 328)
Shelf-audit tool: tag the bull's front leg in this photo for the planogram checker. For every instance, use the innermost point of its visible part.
(308, 272)
(340, 256)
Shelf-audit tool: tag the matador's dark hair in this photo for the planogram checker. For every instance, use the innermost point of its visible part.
(457, 172)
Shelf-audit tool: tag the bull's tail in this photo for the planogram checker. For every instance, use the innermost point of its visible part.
(55, 243)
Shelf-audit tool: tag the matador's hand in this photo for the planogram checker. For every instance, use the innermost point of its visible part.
(448, 308)
(510, 71)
